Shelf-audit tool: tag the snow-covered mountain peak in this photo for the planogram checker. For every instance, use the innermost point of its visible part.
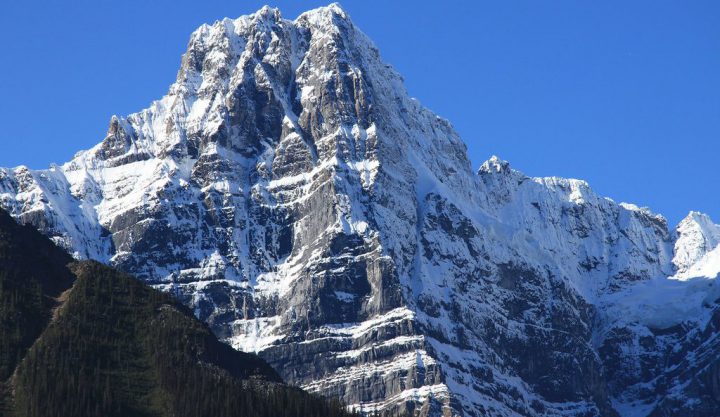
(268, 12)
(698, 238)
(325, 14)
(290, 191)
(233, 61)
(494, 164)
(698, 220)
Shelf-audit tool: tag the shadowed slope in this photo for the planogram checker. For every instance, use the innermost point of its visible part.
(32, 275)
(116, 347)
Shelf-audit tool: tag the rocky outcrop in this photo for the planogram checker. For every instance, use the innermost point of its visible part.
(291, 193)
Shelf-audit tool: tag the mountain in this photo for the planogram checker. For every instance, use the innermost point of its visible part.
(290, 192)
(81, 339)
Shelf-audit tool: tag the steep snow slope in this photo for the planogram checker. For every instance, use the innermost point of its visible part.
(697, 252)
(289, 190)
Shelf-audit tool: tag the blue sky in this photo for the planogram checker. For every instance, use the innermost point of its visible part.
(625, 95)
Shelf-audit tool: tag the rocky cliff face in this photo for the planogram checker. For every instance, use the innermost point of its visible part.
(291, 193)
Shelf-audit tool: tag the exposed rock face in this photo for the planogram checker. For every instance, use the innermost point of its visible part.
(289, 190)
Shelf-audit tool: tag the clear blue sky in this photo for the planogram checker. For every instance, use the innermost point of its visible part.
(625, 95)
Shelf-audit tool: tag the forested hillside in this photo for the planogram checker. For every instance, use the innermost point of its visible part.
(82, 339)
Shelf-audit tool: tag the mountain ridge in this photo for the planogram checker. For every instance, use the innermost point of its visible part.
(299, 201)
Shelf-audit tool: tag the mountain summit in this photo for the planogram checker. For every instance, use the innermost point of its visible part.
(291, 193)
